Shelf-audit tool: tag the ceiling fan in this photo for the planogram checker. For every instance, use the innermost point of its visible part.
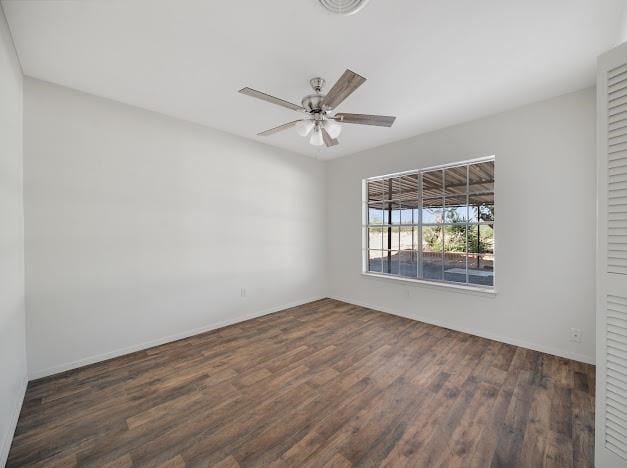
(323, 127)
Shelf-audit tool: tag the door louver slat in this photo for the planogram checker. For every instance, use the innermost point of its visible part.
(614, 403)
(616, 408)
(617, 124)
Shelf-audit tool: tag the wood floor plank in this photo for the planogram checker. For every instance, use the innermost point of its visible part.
(323, 384)
(583, 428)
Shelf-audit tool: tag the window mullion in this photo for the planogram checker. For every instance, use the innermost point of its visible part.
(467, 217)
(419, 246)
(443, 220)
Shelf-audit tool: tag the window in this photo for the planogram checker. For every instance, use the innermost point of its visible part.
(434, 224)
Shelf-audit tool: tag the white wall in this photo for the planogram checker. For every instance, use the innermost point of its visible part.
(545, 226)
(141, 228)
(12, 334)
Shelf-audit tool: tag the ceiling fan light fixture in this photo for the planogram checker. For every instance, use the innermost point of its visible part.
(304, 127)
(333, 128)
(316, 137)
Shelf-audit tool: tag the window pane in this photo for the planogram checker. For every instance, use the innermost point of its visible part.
(408, 238)
(456, 210)
(455, 179)
(390, 262)
(481, 177)
(391, 213)
(391, 237)
(394, 188)
(455, 253)
(395, 212)
(375, 258)
(409, 212)
(375, 237)
(377, 190)
(432, 183)
(408, 263)
(432, 252)
(481, 254)
(432, 209)
(395, 259)
(395, 238)
(481, 208)
(375, 213)
(408, 187)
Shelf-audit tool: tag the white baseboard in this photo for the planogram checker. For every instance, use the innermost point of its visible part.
(8, 438)
(37, 374)
(512, 341)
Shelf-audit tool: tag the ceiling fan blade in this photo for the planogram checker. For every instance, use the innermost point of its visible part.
(266, 97)
(366, 119)
(328, 141)
(279, 128)
(344, 87)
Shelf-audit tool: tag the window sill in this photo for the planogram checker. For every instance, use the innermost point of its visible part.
(490, 292)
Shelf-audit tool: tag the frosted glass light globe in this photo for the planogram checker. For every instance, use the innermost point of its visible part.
(304, 127)
(333, 129)
(316, 138)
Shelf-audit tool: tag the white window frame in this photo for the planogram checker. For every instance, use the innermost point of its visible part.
(469, 287)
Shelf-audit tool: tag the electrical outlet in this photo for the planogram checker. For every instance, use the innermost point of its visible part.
(575, 335)
(242, 292)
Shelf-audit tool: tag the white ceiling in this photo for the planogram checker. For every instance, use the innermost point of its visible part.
(432, 63)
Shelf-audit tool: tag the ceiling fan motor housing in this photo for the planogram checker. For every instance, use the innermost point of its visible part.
(313, 102)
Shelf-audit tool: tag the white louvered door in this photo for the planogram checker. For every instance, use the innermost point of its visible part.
(611, 333)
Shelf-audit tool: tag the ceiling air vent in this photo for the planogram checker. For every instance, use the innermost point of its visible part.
(343, 7)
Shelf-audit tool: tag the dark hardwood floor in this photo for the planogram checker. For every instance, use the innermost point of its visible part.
(325, 384)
